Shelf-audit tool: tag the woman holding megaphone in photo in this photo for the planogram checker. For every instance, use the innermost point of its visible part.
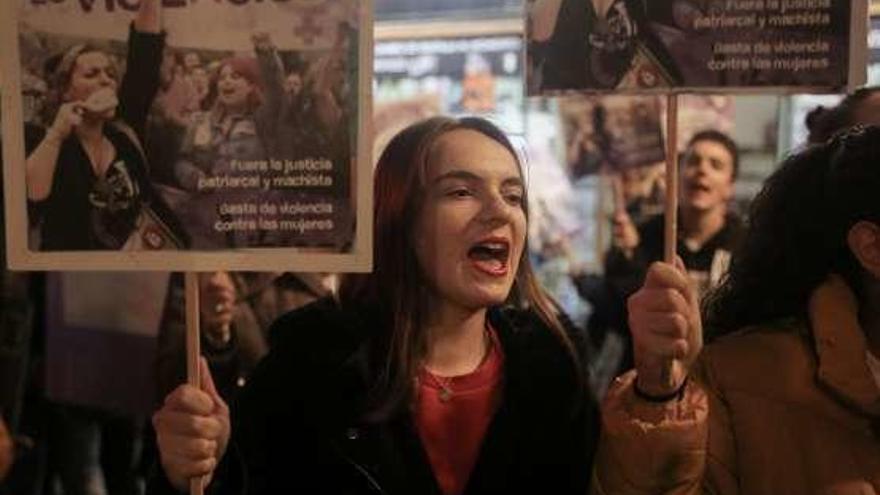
(87, 175)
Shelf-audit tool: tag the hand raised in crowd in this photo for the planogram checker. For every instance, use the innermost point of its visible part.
(664, 317)
(217, 294)
(192, 431)
(68, 117)
(262, 41)
(6, 450)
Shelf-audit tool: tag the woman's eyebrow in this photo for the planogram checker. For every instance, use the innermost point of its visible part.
(457, 174)
(513, 182)
(472, 177)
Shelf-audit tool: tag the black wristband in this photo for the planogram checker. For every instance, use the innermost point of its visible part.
(659, 399)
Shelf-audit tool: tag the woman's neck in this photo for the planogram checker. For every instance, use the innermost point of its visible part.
(90, 131)
(698, 226)
(457, 340)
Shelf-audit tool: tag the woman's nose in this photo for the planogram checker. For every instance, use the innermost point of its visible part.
(497, 209)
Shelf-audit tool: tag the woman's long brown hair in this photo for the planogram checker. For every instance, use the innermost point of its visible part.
(396, 288)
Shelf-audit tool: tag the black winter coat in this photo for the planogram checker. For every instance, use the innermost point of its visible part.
(300, 425)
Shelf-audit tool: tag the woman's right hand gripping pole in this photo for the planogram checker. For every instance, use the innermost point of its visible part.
(192, 431)
(664, 317)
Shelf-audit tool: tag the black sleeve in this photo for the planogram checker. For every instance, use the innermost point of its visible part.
(141, 80)
(579, 436)
(569, 423)
(264, 431)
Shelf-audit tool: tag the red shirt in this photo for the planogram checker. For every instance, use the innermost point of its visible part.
(452, 415)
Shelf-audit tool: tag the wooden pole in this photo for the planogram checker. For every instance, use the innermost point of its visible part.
(193, 351)
(670, 232)
(671, 226)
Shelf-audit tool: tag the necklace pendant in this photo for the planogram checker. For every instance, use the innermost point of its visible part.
(445, 394)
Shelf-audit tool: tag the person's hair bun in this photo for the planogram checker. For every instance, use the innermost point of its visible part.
(815, 117)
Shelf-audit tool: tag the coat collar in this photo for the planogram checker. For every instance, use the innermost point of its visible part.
(841, 345)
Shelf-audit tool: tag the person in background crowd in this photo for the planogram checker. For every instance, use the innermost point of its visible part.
(236, 310)
(708, 233)
(860, 107)
(708, 230)
(786, 399)
(239, 127)
(445, 370)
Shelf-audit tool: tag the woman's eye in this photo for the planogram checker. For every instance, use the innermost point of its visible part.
(459, 193)
(514, 198)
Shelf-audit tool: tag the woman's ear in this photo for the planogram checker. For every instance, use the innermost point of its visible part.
(863, 239)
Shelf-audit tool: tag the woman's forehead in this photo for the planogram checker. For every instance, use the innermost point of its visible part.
(471, 151)
(93, 59)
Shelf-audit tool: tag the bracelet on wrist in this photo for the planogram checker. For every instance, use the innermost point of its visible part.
(676, 394)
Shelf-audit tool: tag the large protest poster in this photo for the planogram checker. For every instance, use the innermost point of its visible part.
(247, 154)
(662, 45)
(479, 74)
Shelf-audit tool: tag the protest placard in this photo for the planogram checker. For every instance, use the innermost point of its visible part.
(236, 139)
(692, 45)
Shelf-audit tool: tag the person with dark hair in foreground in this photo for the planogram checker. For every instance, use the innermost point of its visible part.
(859, 107)
(786, 400)
(445, 370)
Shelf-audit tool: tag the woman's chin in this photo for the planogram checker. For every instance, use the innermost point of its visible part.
(99, 116)
(485, 297)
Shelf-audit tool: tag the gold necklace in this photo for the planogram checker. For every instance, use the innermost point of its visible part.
(444, 384)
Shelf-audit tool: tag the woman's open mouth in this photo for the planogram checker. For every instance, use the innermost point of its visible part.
(491, 256)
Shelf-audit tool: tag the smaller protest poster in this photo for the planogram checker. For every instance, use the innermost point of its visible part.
(611, 133)
(702, 112)
(662, 45)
